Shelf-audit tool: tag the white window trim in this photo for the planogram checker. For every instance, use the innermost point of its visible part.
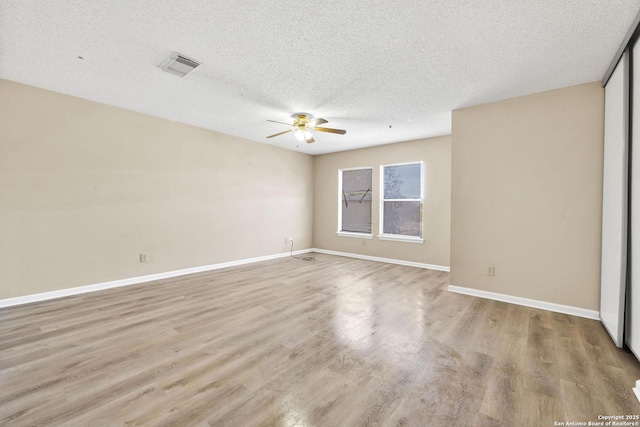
(352, 233)
(401, 237)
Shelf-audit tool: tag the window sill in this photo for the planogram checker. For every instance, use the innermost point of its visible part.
(400, 238)
(359, 235)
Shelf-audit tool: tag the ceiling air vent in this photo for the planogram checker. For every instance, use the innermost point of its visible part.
(179, 65)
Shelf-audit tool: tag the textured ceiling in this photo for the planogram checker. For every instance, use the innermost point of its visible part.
(386, 71)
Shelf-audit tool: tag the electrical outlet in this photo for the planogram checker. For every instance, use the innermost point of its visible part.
(286, 240)
(490, 270)
(290, 240)
(144, 258)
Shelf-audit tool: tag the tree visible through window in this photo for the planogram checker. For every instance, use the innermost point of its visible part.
(402, 199)
(355, 208)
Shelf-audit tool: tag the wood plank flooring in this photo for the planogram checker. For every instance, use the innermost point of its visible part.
(332, 342)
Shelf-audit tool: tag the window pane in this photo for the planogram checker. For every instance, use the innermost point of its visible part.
(356, 218)
(402, 181)
(402, 218)
(356, 201)
(357, 181)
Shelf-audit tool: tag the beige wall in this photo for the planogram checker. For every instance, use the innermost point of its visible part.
(85, 188)
(527, 194)
(436, 155)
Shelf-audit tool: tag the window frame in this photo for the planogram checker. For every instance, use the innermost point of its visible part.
(353, 233)
(400, 237)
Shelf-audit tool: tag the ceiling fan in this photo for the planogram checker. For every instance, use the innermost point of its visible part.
(302, 126)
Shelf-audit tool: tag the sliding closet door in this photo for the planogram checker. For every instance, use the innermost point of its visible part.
(633, 293)
(614, 203)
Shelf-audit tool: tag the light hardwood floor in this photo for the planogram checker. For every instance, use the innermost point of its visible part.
(333, 342)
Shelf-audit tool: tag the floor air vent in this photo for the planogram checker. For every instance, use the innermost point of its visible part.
(178, 65)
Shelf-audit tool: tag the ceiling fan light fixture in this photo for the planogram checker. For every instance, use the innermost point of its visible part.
(302, 135)
(302, 127)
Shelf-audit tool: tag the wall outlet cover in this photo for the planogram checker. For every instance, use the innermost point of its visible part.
(490, 270)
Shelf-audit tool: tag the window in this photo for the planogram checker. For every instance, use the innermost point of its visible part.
(355, 202)
(401, 208)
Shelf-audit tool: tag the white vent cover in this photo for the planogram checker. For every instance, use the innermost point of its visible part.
(179, 65)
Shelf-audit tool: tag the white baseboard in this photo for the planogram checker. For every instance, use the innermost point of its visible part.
(549, 306)
(379, 259)
(636, 389)
(8, 302)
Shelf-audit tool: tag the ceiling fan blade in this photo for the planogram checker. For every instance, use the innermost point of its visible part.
(282, 123)
(317, 121)
(310, 140)
(340, 131)
(280, 133)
